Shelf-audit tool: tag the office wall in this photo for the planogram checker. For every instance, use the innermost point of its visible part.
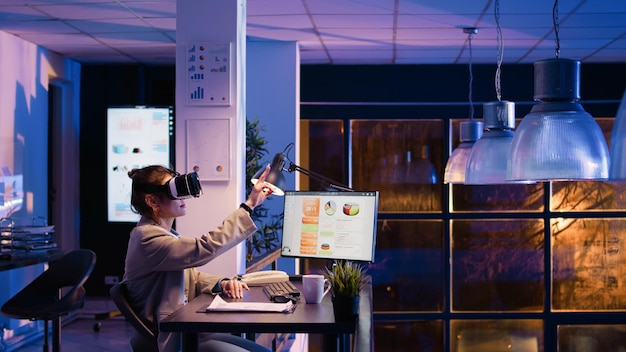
(273, 96)
(27, 73)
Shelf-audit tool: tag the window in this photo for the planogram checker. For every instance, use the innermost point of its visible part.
(475, 268)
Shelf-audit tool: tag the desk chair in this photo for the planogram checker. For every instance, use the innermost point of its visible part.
(146, 337)
(56, 292)
(145, 340)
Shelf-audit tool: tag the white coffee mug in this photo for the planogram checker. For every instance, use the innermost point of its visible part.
(314, 287)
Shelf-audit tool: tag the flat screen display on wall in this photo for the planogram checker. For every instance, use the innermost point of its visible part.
(137, 136)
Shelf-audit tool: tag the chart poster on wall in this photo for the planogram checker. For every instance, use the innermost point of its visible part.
(137, 136)
(208, 74)
(208, 148)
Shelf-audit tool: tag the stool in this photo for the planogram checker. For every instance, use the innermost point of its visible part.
(56, 292)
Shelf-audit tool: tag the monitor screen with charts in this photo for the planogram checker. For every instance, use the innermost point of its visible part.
(137, 136)
(330, 225)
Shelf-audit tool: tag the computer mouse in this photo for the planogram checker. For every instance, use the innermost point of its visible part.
(281, 299)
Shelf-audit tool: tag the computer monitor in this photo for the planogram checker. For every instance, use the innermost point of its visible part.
(137, 136)
(330, 225)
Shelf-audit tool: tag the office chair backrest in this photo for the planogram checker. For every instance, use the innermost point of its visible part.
(41, 300)
(147, 341)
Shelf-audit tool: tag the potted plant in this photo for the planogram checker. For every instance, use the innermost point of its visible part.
(346, 281)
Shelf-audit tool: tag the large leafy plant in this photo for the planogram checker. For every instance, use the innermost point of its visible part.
(267, 238)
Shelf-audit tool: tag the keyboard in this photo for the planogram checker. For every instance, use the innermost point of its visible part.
(281, 289)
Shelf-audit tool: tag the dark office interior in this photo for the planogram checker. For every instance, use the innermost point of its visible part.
(414, 241)
(373, 95)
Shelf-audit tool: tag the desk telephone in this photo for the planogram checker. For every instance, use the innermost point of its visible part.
(263, 277)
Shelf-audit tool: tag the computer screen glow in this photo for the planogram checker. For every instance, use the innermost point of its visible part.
(330, 225)
(137, 136)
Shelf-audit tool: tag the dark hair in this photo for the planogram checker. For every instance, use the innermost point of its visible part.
(143, 178)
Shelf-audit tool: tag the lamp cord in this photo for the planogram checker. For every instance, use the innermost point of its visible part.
(471, 75)
(555, 22)
(500, 51)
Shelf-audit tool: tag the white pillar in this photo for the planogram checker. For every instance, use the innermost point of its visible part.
(203, 29)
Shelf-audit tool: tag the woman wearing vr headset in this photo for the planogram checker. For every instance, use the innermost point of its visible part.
(159, 270)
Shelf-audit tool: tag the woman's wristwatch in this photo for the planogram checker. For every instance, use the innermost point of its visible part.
(246, 208)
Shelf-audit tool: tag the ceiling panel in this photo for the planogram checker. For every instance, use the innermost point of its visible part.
(334, 31)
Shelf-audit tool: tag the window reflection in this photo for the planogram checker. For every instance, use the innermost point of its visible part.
(403, 159)
(496, 335)
(592, 338)
(322, 152)
(497, 265)
(510, 198)
(407, 274)
(400, 336)
(588, 264)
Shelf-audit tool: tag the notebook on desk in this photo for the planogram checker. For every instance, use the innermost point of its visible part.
(220, 305)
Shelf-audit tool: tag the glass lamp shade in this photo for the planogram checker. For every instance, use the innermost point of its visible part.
(618, 144)
(487, 163)
(558, 139)
(488, 160)
(275, 180)
(470, 132)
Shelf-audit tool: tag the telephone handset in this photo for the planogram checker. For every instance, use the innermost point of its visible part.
(264, 277)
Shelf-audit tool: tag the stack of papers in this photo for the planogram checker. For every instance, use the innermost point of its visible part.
(28, 238)
(220, 305)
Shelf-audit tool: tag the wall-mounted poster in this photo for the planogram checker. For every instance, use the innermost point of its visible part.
(208, 148)
(208, 74)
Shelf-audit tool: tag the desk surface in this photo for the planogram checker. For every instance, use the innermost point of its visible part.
(307, 318)
(25, 258)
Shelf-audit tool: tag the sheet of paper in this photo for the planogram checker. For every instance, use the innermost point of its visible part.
(34, 229)
(220, 305)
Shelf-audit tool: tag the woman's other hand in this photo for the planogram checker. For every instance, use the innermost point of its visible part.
(260, 191)
(234, 288)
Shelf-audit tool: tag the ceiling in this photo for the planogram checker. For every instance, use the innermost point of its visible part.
(336, 31)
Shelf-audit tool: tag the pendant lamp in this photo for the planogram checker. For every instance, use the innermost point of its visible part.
(469, 132)
(558, 139)
(488, 161)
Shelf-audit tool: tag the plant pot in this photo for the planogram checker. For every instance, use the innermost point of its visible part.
(346, 308)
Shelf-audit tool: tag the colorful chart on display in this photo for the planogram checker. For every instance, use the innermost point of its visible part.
(330, 225)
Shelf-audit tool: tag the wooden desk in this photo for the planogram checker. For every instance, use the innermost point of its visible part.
(307, 318)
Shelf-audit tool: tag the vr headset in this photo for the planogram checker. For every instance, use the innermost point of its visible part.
(179, 187)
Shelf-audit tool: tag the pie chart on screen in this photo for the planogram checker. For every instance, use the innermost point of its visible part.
(330, 207)
(351, 209)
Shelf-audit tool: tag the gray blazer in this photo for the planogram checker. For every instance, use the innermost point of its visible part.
(159, 270)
